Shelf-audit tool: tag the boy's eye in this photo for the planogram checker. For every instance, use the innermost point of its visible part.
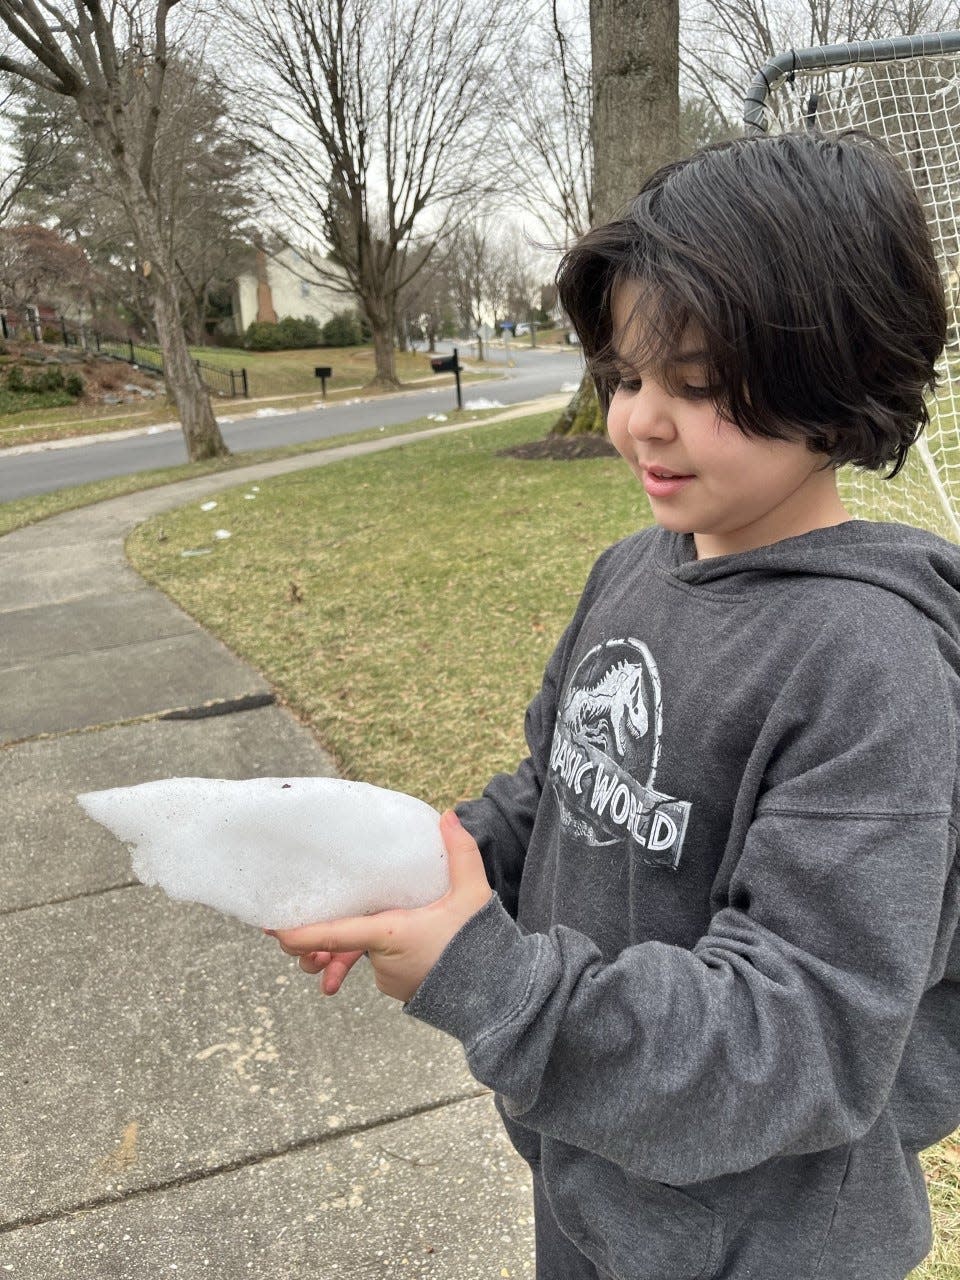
(687, 390)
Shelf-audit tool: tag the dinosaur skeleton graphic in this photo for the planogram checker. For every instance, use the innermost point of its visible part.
(605, 756)
(614, 703)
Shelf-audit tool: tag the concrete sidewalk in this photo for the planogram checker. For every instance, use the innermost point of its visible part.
(176, 1098)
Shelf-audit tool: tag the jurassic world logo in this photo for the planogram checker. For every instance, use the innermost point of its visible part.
(606, 748)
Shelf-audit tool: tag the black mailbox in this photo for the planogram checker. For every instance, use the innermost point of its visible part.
(445, 364)
(323, 372)
(449, 364)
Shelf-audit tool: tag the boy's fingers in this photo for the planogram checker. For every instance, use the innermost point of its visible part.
(349, 934)
(337, 970)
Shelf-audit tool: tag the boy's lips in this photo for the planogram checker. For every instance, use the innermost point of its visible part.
(660, 484)
(665, 473)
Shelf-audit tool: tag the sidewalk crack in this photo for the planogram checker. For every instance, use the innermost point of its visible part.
(232, 1166)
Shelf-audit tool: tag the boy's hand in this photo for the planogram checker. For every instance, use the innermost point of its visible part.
(403, 946)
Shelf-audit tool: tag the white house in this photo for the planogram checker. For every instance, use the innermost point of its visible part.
(278, 289)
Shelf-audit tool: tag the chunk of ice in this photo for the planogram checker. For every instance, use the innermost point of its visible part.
(279, 852)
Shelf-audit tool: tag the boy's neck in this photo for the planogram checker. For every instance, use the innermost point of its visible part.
(825, 512)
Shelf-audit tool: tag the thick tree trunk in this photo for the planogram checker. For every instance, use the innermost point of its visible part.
(384, 352)
(635, 124)
(582, 416)
(634, 127)
(191, 397)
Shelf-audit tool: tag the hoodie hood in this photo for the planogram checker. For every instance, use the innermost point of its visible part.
(920, 567)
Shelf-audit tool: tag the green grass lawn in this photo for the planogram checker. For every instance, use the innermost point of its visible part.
(409, 561)
(405, 604)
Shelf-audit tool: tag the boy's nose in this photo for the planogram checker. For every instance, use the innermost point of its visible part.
(650, 414)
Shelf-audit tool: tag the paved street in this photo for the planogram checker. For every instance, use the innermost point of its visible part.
(536, 373)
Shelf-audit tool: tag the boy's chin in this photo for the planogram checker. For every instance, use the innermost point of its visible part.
(674, 522)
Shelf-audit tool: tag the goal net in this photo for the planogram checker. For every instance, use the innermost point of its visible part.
(906, 91)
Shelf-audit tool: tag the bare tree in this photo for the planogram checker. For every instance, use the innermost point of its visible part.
(428, 303)
(111, 60)
(525, 271)
(374, 134)
(545, 122)
(474, 273)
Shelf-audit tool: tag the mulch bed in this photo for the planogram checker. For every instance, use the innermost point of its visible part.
(561, 449)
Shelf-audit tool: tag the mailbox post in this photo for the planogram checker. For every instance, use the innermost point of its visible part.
(449, 364)
(323, 372)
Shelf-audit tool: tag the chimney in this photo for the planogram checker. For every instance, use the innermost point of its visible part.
(265, 311)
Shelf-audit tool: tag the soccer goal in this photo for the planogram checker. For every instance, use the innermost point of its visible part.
(906, 91)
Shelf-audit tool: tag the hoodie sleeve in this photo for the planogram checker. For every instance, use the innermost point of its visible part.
(501, 820)
(780, 1032)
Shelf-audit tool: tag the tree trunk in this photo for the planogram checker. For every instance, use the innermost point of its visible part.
(582, 416)
(634, 128)
(200, 430)
(635, 124)
(384, 353)
(191, 397)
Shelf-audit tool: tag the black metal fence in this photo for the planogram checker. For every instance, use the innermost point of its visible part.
(222, 382)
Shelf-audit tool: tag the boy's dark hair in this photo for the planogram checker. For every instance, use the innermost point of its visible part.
(805, 263)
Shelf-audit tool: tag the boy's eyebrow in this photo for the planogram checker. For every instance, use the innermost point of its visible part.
(691, 357)
(679, 357)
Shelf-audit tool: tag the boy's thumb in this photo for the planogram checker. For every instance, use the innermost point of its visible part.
(462, 850)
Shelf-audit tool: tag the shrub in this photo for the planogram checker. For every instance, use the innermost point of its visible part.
(261, 336)
(288, 335)
(342, 330)
(47, 380)
(300, 333)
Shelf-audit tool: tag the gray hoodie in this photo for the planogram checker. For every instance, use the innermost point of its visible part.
(717, 990)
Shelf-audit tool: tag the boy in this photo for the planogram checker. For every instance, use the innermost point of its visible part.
(702, 943)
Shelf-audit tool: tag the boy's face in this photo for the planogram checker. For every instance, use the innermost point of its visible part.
(739, 493)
